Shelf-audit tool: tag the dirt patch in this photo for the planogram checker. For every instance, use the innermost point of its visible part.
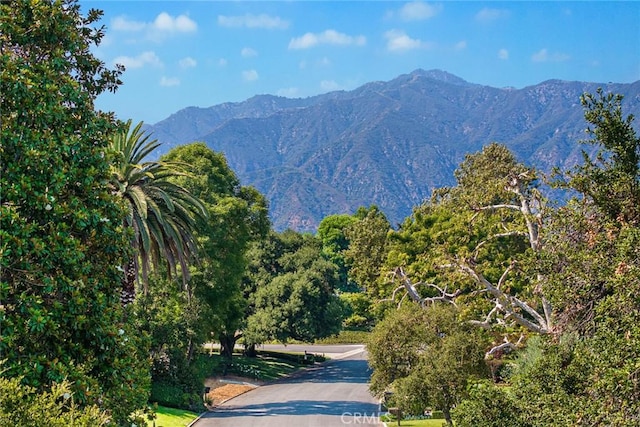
(225, 388)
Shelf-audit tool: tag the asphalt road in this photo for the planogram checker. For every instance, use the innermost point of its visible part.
(332, 394)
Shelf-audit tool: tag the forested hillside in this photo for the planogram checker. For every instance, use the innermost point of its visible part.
(385, 143)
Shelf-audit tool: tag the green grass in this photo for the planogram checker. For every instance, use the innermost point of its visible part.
(417, 423)
(263, 368)
(170, 417)
(347, 337)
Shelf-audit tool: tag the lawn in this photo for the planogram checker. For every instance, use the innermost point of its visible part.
(417, 423)
(263, 367)
(170, 417)
(346, 337)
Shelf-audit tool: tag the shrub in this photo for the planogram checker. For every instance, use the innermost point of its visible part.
(22, 405)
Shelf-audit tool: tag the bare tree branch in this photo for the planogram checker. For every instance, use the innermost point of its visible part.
(412, 292)
(507, 308)
(507, 303)
(505, 346)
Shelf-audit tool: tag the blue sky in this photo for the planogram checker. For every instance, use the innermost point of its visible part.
(203, 53)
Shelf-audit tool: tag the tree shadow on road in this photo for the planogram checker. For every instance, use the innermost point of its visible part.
(297, 407)
(349, 371)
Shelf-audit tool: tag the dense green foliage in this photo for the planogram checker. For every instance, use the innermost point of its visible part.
(564, 282)
(359, 310)
(180, 322)
(175, 326)
(367, 248)
(612, 179)
(294, 290)
(426, 356)
(161, 213)
(22, 405)
(496, 309)
(331, 231)
(586, 371)
(475, 242)
(60, 226)
(237, 216)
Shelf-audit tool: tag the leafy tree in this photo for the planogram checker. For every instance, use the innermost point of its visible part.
(426, 356)
(586, 372)
(237, 216)
(174, 323)
(60, 226)
(296, 299)
(331, 231)
(367, 248)
(612, 179)
(592, 271)
(359, 309)
(490, 406)
(161, 213)
(458, 249)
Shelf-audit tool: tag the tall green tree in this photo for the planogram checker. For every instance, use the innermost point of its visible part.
(592, 267)
(612, 178)
(367, 248)
(236, 216)
(477, 245)
(61, 228)
(296, 298)
(161, 213)
(426, 356)
(331, 231)
(585, 372)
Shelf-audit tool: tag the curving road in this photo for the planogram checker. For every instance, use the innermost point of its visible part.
(335, 393)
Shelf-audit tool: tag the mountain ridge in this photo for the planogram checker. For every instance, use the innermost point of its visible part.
(385, 143)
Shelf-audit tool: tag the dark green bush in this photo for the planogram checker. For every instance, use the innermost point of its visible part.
(301, 359)
(175, 396)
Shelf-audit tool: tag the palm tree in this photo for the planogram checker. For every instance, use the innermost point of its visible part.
(162, 214)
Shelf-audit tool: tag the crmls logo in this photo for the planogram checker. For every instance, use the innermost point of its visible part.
(360, 418)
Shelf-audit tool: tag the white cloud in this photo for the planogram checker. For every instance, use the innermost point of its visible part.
(543, 55)
(222, 62)
(169, 81)
(163, 25)
(399, 41)
(250, 75)
(179, 24)
(419, 11)
(122, 23)
(253, 21)
(324, 62)
(327, 37)
(540, 56)
(329, 85)
(503, 54)
(487, 14)
(247, 52)
(145, 58)
(187, 62)
(461, 45)
(289, 92)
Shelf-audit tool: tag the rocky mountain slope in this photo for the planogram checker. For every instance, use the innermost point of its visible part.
(384, 143)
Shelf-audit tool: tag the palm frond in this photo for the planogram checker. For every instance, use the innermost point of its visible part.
(162, 213)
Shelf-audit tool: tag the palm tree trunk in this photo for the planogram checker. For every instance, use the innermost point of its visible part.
(128, 292)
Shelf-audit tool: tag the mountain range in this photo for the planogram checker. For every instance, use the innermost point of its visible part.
(385, 143)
